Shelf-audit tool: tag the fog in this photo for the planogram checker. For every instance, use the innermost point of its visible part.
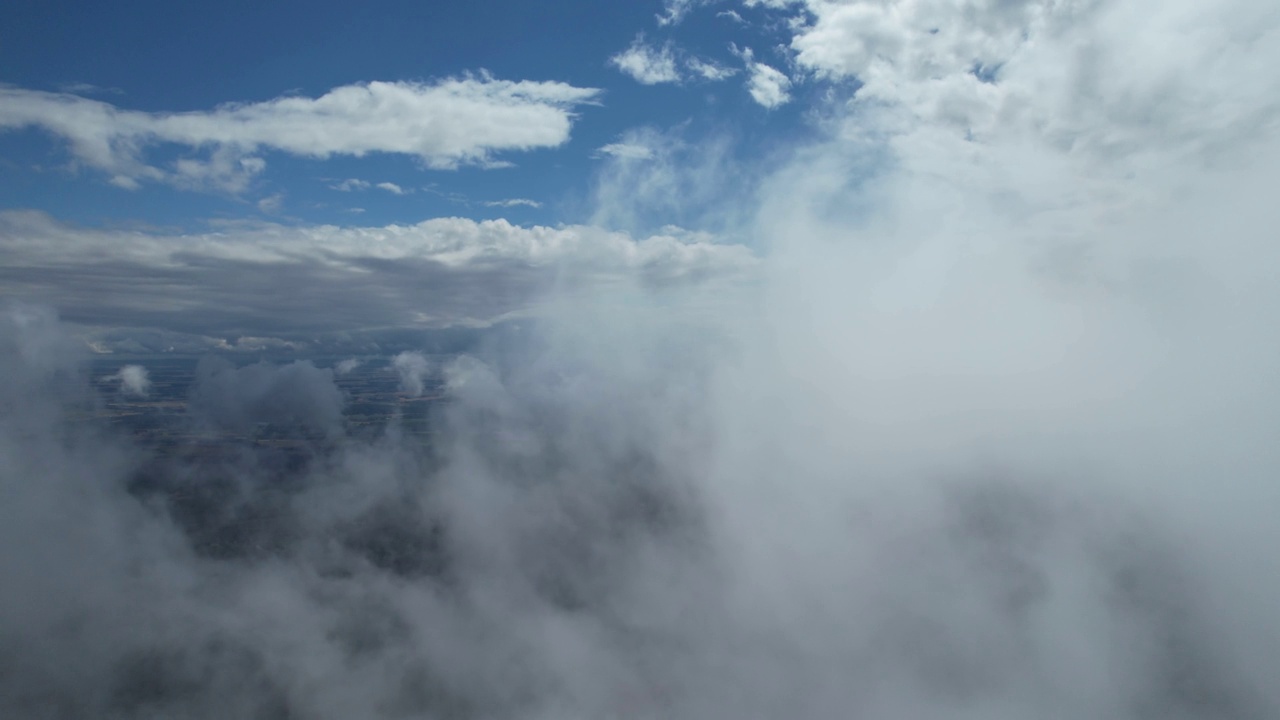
(992, 434)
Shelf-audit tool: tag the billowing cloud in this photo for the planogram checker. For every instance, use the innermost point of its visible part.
(443, 124)
(1021, 67)
(992, 435)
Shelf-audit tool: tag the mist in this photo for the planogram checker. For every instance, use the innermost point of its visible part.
(988, 432)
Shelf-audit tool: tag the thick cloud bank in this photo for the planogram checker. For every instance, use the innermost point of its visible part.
(269, 285)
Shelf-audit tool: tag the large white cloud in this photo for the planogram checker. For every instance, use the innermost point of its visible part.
(444, 124)
(1106, 77)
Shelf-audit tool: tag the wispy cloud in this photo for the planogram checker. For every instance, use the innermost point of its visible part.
(444, 124)
(514, 202)
(647, 64)
(710, 70)
(351, 184)
(84, 88)
(625, 150)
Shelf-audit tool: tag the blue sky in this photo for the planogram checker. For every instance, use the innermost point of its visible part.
(163, 58)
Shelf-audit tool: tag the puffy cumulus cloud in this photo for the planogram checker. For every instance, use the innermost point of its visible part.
(347, 366)
(767, 85)
(444, 124)
(133, 380)
(279, 284)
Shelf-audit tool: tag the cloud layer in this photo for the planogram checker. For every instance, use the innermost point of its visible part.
(444, 124)
(263, 281)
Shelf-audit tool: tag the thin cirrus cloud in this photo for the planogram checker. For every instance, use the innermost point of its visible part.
(513, 202)
(443, 124)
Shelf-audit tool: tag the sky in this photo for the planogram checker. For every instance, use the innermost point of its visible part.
(839, 358)
(593, 74)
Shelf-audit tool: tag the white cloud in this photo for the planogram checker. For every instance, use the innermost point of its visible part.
(513, 202)
(983, 69)
(709, 69)
(391, 187)
(271, 204)
(674, 11)
(444, 124)
(133, 379)
(767, 85)
(626, 151)
(351, 184)
(646, 64)
(83, 88)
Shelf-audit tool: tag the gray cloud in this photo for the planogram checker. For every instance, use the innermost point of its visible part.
(295, 284)
(586, 519)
